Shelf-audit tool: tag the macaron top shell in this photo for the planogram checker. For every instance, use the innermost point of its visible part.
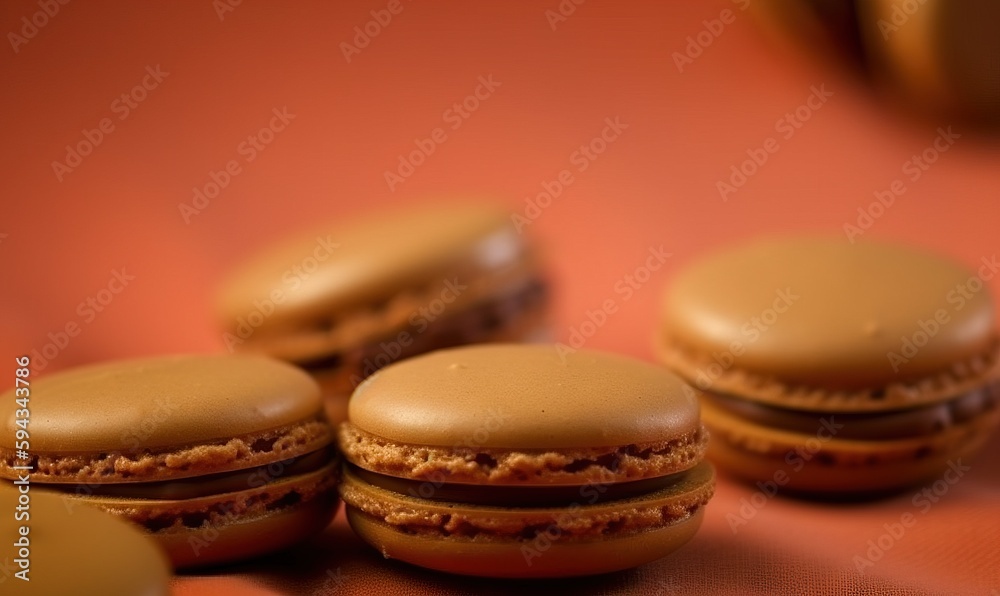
(76, 549)
(824, 312)
(343, 267)
(162, 402)
(524, 397)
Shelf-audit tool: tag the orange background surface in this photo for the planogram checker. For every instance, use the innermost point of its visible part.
(655, 185)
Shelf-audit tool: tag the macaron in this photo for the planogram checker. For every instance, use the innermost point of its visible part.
(524, 461)
(937, 54)
(354, 296)
(834, 367)
(217, 458)
(49, 548)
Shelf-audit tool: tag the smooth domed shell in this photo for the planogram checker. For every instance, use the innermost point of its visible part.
(825, 312)
(524, 397)
(159, 402)
(367, 260)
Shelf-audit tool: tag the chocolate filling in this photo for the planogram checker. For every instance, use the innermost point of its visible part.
(475, 324)
(517, 496)
(895, 424)
(203, 486)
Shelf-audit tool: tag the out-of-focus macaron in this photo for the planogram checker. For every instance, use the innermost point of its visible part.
(218, 458)
(832, 367)
(938, 57)
(51, 548)
(938, 54)
(524, 461)
(349, 299)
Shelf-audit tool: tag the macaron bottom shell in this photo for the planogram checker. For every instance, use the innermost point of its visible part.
(512, 559)
(529, 542)
(821, 464)
(227, 527)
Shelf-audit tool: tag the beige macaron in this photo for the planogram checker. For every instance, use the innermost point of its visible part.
(351, 297)
(217, 457)
(836, 367)
(51, 546)
(524, 461)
